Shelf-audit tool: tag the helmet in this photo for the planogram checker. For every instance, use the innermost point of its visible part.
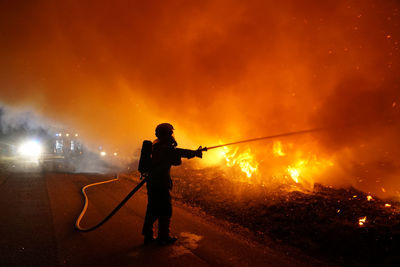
(164, 130)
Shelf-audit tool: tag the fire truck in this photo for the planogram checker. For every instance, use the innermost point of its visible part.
(39, 149)
(61, 152)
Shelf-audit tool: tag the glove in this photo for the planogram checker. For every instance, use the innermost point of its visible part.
(187, 153)
(199, 152)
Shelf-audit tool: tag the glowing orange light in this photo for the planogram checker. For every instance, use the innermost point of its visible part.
(369, 198)
(387, 205)
(277, 149)
(362, 221)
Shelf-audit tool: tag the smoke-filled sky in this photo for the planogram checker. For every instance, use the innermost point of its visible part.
(216, 70)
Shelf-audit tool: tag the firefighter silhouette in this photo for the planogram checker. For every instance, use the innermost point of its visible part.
(164, 154)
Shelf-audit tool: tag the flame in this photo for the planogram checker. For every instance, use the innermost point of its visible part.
(300, 168)
(277, 149)
(295, 171)
(244, 160)
(288, 164)
(304, 170)
(387, 205)
(362, 221)
(369, 198)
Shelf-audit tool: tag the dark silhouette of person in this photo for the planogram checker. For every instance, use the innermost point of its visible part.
(164, 155)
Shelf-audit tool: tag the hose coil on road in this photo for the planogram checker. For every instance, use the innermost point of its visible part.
(78, 220)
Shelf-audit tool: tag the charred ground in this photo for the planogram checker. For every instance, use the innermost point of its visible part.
(323, 223)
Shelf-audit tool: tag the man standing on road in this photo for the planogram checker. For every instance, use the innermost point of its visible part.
(159, 183)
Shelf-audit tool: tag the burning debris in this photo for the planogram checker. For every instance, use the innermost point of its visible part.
(245, 161)
(289, 164)
(343, 226)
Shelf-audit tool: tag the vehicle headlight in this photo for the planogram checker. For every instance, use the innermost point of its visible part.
(30, 149)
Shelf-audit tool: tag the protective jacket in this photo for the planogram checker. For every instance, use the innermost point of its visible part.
(164, 155)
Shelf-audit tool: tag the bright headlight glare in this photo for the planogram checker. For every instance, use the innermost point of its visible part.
(30, 149)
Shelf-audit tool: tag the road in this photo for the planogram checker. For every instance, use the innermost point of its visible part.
(37, 228)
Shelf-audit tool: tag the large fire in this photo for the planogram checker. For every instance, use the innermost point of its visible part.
(244, 160)
(287, 165)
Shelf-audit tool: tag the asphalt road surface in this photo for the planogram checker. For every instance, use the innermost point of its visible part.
(38, 212)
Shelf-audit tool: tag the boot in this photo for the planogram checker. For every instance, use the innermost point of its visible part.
(164, 237)
(147, 230)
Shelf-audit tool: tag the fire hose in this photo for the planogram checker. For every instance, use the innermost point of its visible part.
(145, 177)
(265, 137)
(78, 221)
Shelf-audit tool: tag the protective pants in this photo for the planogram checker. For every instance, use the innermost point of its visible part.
(158, 207)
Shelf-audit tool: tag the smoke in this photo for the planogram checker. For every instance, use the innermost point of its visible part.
(18, 126)
(364, 122)
(216, 70)
(358, 111)
(16, 123)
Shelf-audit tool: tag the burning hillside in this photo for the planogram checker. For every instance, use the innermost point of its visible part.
(341, 226)
(274, 189)
(221, 71)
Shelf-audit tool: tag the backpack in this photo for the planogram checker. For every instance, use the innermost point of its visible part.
(145, 157)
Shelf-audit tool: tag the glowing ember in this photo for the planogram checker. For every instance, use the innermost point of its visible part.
(383, 190)
(277, 149)
(244, 160)
(387, 205)
(362, 221)
(369, 198)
